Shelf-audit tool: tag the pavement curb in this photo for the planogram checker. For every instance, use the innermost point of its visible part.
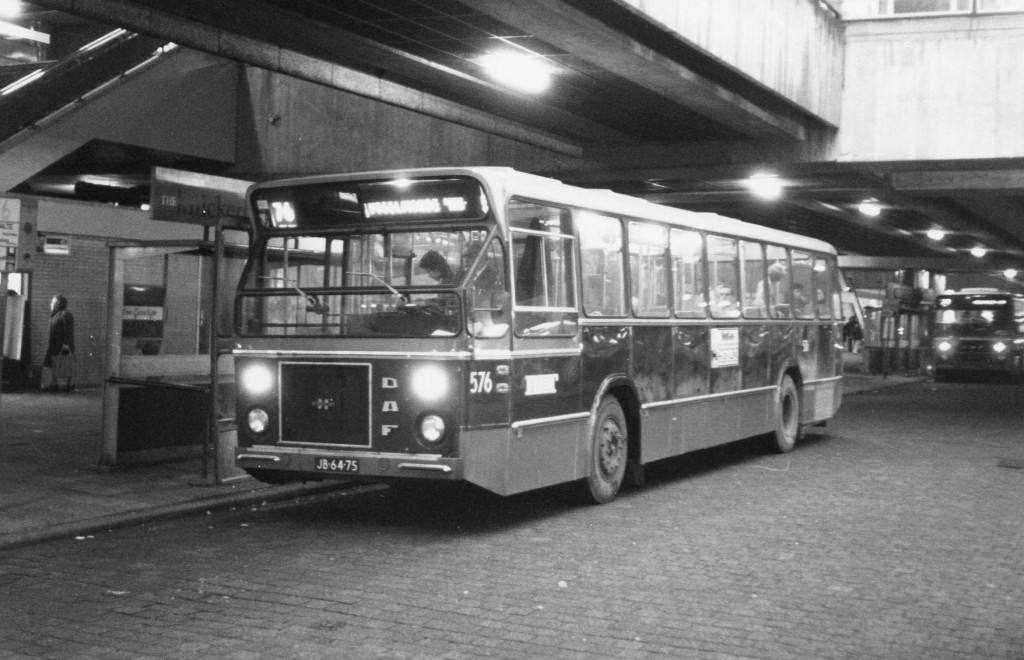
(35, 535)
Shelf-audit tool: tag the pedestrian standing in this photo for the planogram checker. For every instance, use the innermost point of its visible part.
(60, 350)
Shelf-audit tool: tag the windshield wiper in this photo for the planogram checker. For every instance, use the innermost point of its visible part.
(313, 303)
(398, 294)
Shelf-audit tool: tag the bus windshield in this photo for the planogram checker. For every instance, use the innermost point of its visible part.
(397, 284)
(975, 316)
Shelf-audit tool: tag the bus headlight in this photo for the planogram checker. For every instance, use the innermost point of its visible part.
(258, 421)
(945, 346)
(257, 379)
(999, 347)
(429, 383)
(432, 428)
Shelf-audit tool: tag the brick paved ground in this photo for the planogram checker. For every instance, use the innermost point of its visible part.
(893, 533)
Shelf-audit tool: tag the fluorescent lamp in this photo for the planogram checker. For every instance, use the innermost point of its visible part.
(870, 208)
(9, 8)
(525, 72)
(765, 186)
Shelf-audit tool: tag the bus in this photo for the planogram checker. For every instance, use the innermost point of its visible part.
(505, 329)
(978, 331)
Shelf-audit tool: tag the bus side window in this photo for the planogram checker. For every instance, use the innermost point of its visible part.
(824, 296)
(688, 274)
(752, 272)
(776, 287)
(488, 300)
(542, 265)
(648, 267)
(601, 245)
(803, 287)
(723, 279)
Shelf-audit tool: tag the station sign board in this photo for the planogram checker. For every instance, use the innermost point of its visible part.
(17, 233)
(194, 198)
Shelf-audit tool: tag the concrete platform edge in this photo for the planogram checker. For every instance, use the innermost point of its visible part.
(155, 513)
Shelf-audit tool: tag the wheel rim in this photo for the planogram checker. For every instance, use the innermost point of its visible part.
(611, 447)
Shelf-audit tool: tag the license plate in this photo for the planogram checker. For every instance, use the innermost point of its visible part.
(349, 465)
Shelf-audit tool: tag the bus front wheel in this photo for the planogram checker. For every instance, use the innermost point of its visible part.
(608, 447)
(787, 416)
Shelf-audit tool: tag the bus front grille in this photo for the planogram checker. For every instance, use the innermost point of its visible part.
(325, 403)
(974, 352)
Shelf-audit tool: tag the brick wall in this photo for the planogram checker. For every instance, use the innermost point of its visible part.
(81, 277)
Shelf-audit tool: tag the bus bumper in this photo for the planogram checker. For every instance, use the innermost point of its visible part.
(312, 464)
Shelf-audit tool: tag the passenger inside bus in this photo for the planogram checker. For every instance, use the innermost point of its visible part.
(800, 300)
(770, 292)
(724, 302)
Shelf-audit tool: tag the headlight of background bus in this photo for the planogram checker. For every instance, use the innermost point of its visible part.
(258, 420)
(429, 383)
(945, 346)
(257, 379)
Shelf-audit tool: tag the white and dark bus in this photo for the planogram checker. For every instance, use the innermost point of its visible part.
(978, 331)
(505, 329)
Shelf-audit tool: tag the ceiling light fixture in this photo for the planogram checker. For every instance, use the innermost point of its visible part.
(765, 186)
(870, 208)
(9, 8)
(523, 71)
(936, 234)
(979, 251)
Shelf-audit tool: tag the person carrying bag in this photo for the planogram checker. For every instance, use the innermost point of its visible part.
(60, 350)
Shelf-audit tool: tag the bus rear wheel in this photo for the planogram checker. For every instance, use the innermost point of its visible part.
(608, 448)
(787, 416)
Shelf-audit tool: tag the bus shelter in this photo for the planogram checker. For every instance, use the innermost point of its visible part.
(169, 387)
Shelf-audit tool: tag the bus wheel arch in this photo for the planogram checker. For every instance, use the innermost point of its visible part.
(787, 412)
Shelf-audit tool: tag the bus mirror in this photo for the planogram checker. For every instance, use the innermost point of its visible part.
(499, 301)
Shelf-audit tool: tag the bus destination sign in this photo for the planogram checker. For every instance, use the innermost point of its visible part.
(433, 199)
(341, 204)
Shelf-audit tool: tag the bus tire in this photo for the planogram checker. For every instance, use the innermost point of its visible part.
(609, 444)
(787, 416)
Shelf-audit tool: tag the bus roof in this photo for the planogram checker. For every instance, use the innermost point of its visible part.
(505, 181)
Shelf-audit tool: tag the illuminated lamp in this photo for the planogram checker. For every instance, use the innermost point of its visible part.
(765, 186)
(979, 251)
(936, 234)
(526, 72)
(1010, 273)
(429, 383)
(870, 208)
(9, 8)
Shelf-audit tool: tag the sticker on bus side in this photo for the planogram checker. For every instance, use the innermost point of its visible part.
(541, 384)
(725, 347)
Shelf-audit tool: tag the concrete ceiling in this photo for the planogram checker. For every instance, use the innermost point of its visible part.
(634, 105)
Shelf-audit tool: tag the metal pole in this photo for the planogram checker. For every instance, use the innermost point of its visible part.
(213, 421)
